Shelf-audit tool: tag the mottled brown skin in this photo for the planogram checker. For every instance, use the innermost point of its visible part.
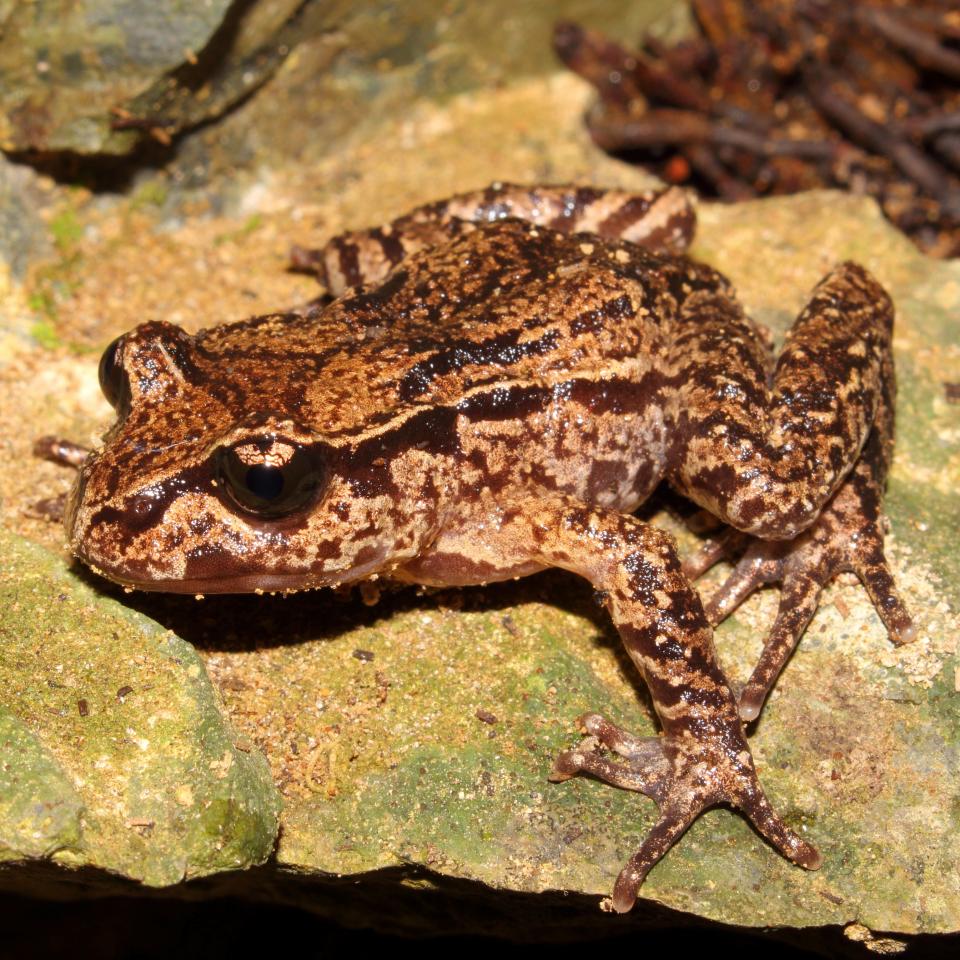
(492, 392)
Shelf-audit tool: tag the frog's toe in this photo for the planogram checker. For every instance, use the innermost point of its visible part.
(665, 832)
(621, 741)
(647, 767)
(644, 768)
(684, 776)
(870, 565)
(675, 817)
(799, 599)
(761, 564)
(724, 546)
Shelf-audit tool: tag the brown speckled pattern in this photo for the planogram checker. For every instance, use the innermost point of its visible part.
(500, 380)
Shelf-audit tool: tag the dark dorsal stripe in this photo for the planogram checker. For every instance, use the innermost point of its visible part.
(624, 217)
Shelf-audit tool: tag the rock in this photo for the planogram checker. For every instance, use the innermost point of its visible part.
(411, 741)
(23, 234)
(72, 74)
(24, 240)
(377, 723)
(39, 808)
(113, 751)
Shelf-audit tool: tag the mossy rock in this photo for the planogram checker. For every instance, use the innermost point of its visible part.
(39, 808)
(113, 749)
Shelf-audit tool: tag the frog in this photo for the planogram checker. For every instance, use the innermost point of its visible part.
(490, 386)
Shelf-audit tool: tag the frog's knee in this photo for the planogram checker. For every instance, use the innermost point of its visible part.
(774, 515)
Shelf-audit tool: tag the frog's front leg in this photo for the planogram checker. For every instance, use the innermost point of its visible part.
(64, 453)
(801, 465)
(702, 757)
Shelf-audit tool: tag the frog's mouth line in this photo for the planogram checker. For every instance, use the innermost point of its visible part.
(243, 583)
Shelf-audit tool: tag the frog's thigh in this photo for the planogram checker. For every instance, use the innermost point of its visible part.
(659, 220)
(767, 460)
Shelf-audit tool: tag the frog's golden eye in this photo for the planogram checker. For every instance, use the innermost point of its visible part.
(113, 378)
(268, 476)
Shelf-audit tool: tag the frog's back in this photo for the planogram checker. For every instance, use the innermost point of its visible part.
(507, 304)
(539, 356)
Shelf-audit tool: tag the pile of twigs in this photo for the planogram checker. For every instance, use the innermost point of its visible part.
(776, 96)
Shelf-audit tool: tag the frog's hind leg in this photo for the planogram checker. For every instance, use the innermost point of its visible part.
(800, 464)
(847, 536)
(662, 221)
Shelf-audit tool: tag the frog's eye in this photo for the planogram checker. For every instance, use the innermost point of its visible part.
(113, 378)
(268, 476)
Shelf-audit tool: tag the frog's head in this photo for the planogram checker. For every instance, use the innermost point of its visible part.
(219, 476)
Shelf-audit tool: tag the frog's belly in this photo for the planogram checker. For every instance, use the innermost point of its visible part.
(603, 441)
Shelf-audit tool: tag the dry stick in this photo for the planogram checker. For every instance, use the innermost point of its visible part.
(705, 162)
(948, 146)
(934, 21)
(720, 20)
(923, 47)
(660, 83)
(675, 92)
(929, 124)
(691, 56)
(605, 65)
(926, 173)
(676, 127)
(937, 126)
(669, 77)
(621, 76)
(593, 56)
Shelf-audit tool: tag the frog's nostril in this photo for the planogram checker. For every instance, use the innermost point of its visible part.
(142, 509)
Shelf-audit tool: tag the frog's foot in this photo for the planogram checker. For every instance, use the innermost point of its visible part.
(49, 508)
(684, 776)
(722, 546)
(839, 541)
(60, 451)
(65, 454)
